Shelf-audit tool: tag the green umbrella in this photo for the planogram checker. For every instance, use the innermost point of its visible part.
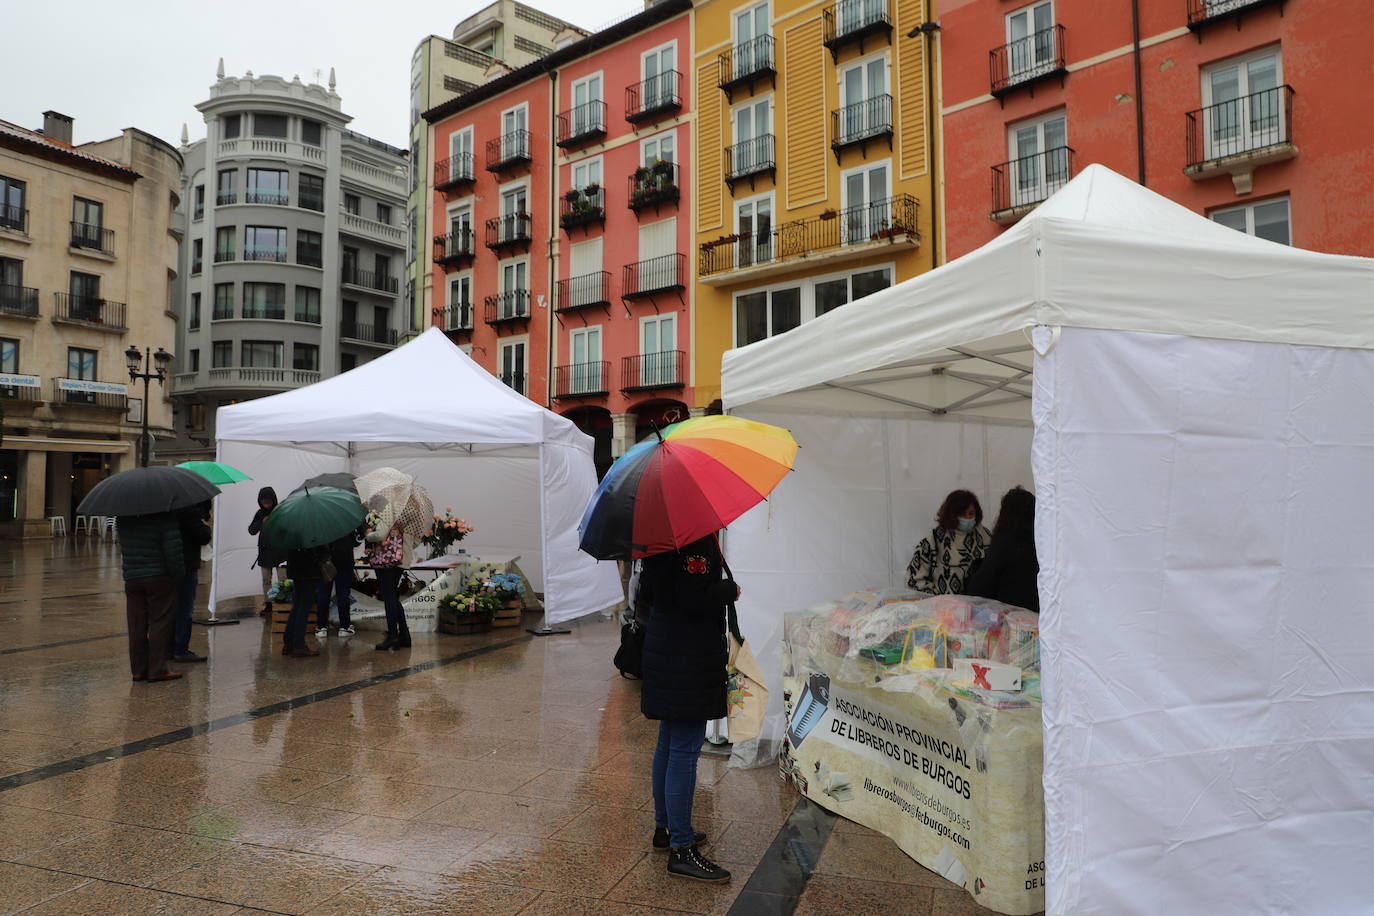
(215, 472)
(313, 517)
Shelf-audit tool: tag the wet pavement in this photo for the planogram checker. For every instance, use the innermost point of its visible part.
(497, 773)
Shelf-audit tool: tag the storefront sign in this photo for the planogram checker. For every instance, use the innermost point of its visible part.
(18, 381)
(71, 384)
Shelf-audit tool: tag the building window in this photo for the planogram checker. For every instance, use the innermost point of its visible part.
(1242, 103)
(585, 373)
(260, 354)
(657, 350)
(11, 275)
(193, 362)
(270, 125)
(9, 355)
(1030, 41)
(198, 211)
(224, 244)
(866, 201)
(264, 243)
(197, 255)
(84, 293)
(88, 218)
(587, 172)
(308, 304)
(382, 266)
(460, 302)
(268, 186)
(1266, 220)
(348, 361)
(224, 302)
(264, 300)
(865, 106)
(768, 312)
(513, 365)
(12, 203)
(753, 121)
(514, 139)
(353, 204)
(195, 414)
(833, 293)
(658, 69)
(384, 214)
(305, 357)
(194, 319)
(82, 364)
(311, 193)
(309, 248)
(1039, 153)
(227, 187)
(514, 286)
(222, 354)
(586, 113)
(658, 149)
(754, 222)
(231, 126)
(312, 132)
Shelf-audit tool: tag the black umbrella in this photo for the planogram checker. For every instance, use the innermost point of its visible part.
(146, 491)
(340, 479)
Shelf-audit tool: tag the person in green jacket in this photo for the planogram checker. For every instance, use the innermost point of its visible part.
(154, 562)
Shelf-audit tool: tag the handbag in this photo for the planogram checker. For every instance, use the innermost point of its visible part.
(328, 570)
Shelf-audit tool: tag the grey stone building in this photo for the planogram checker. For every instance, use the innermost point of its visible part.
(293, 253)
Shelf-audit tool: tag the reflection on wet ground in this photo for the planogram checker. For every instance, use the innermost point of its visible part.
(488, 774)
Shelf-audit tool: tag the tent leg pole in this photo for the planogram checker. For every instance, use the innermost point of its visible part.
(545, 630)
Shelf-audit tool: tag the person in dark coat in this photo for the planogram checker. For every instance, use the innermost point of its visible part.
(685, 657)
(303, 569)
(153, 560)
(195, 534)
(1010, 571)
(341, 554)
(269, 558)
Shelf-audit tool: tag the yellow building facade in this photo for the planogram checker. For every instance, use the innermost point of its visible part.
(814, 162)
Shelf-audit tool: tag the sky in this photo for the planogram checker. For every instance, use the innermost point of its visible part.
(112, 64)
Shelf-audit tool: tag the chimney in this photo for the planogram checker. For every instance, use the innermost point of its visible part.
(57, 126)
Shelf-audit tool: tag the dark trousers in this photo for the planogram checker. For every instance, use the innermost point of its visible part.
(149, 605)
(341, 585)
(675, 778)
(186, 603)
(302, 594)
(389, 579)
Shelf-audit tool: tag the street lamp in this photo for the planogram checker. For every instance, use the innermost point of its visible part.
(140, 359)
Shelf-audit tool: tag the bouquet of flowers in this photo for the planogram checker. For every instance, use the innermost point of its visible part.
(474, 603)
(508, 586)
(448, 530)
(283, 591)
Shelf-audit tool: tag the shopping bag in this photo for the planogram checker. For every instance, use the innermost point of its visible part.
(746, 697)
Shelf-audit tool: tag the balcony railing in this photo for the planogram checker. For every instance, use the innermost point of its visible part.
(370, 280)
(749, 159)
(855, 21)
(1249, 125)
(264, 253)
(453, 172)
(655, 96)
(509, 230)
(653, 370)
(746, 62)
(263, 377)
(92, 238)
(91, 311)
(514, 380)
(1027, 60)
(310, 255)
(368, 333)
(1202, 12)
(266, 196)
(582, 124)
(656, 275)
(14, 387)
(222, 256)
(508, 151)
(19, 301)
(222, 312)
(582, 380)
(586, 291)
(651, 185)
(455, 317)
(889, 219)
(310, 200)
(226, 197)
(860, 122)
(1029, 180)
(454, 248)
(86, 393)
(512, 305)
(16, 218)
(264, 312)
(582, 207)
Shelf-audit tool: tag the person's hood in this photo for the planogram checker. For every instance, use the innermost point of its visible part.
(267, 493)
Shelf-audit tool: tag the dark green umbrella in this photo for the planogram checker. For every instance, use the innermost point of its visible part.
(313, 517)
(340, 479)
(146, 491)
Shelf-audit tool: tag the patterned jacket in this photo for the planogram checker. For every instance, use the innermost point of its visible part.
(940, 565)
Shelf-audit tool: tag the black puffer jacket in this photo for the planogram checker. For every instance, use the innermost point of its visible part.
(685, 652)
(267, 555)
(1009, 572)
(150, 545)
(195, 534)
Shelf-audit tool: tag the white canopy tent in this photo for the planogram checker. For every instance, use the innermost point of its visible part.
(1195, 406)
(519, 473)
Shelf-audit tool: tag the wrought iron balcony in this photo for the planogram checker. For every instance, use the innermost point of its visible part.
(582, 207)
(1019, 185)
(1252, 129)
(453, 172)
(455, 317)
(16, 218)
(656, 275)
(264, 312)
(582, 124)
(870, 119)
(309, 255)
(582, 380)
(222, 256)
(652, 185)
(1027, 60)
(264, 253)
(367, 333)
(587, 291)
(18, 301)
(91, 311)
(855, 21)
(73, 392)
(665, 369)
(222, 311)
(509, 231)
(25, 388)
(749, 160)
(744, 63)
(508, 151)
(512, 305)
(454, 249)
(1204, 12)
(267, 196)
(369, 280)
(656, 96)
(226, 197)
(92, 238)
(891, 219)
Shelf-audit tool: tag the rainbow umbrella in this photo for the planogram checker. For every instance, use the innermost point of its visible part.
(691, 480)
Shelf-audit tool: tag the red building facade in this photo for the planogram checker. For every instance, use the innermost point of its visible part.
(564, 195)
(1244, 110)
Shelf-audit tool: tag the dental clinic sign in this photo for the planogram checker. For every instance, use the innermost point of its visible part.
(9, 380)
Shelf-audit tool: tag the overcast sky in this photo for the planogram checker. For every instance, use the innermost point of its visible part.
(112, 64)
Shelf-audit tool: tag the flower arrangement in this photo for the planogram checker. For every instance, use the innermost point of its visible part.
(283, 591)
(508, 586)
(448, 530)
(472, 604)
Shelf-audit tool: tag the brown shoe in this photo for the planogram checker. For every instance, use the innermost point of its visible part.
(304, 653)
(169, 676)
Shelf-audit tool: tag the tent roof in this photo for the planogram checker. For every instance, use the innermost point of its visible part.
(1101, 253)
(425, 391)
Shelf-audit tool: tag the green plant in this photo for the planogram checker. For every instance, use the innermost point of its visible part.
(480, 604)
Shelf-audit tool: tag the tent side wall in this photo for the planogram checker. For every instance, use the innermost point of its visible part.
(575, 583)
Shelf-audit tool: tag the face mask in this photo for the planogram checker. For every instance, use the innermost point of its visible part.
(966, 524)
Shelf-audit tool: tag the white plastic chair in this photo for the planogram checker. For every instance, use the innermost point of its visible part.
(83, 524)
(59, 525)
(107, 525)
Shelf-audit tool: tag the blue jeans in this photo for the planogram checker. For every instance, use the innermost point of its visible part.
(302, 595)
(341, 584)
(186, 603)
(675, 778)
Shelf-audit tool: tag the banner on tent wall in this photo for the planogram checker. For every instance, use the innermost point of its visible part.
(901, 764)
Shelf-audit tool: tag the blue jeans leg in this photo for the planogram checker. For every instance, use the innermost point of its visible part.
(675, 777)
(302, 596)
(186, 603)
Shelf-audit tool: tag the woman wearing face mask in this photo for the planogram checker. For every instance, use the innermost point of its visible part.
(945, 557)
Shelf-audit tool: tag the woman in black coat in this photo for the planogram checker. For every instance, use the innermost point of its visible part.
(269, 558)
(685, 656)
(1010, 570)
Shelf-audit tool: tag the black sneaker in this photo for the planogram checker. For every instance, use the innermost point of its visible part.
(388, 643)
(688, 862)
(187, 656)
(661, 839)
